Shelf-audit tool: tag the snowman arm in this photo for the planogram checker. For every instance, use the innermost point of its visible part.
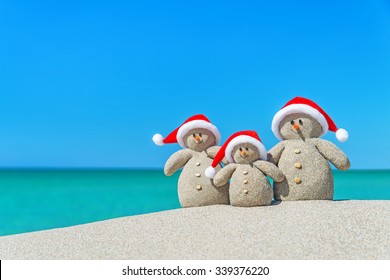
(223, 176)
(177, 161)
(332, 153)
(212, 152)
(225, 161)
(270, 170)
(275, 153)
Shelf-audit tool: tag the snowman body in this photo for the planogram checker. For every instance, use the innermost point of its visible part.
(308, 174)
(249, 187)
(195, 189)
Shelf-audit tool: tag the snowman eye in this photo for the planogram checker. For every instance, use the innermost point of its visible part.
(240, 149)
(200, 134)
(292, 122)
(246, 149)
(300, 122)
(193, 135)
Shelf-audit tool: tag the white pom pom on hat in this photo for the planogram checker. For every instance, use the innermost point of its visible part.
(342, 135)
(210, 172)
(158, 139)
(306, 106)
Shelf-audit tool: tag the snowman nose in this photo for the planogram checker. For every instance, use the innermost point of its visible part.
(197, 138)
(296, 126)
(243, 153)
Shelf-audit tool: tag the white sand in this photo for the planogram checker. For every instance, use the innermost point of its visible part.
(291, 230)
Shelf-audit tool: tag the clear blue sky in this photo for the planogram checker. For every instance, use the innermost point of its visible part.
(88, 83)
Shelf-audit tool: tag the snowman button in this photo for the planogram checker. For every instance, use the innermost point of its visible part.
(245, 182)
(297, 180)
(297, 151)
(245, 191)
(298, 165)
(198, 187)
(198, 163)
(197, 175)
(245, 172)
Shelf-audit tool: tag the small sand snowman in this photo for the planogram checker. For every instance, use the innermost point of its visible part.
(247, 170)
(302, 156)
(198, 137)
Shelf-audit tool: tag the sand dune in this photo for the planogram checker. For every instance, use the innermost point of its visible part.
(290, 230)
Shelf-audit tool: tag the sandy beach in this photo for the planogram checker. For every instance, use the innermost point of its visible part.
(290, 230)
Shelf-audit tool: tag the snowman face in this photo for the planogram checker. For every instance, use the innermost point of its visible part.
(245, 153)
(299, 126)
(199, 139)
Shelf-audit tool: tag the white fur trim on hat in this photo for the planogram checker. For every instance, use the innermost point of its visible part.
(158, 139)
(342, 135)
(210, 172)
(185, 128)
(241, 140)
(294, 109)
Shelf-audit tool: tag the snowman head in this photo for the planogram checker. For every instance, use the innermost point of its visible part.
(299, 126)
(245, 153)
(196, 133)
(242, 147)
(303, 118)
(199, 139)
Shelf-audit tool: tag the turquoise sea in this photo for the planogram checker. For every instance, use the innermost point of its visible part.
(33, 200)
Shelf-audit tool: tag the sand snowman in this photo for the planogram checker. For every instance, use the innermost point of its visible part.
(198, 137)
(302, 156)
(247, 170)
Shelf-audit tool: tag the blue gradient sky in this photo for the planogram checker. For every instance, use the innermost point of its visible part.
(88, 84)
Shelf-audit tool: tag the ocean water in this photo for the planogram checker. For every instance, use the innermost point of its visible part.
(33, 200)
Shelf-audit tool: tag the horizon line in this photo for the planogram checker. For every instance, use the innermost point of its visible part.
(125, 169)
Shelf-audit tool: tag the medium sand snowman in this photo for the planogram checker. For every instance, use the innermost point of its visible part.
(302, 156)
(198, 137)
(248, 169)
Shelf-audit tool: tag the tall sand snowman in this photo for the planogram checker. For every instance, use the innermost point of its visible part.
(302, 156)
(199, 139)
(247, 170)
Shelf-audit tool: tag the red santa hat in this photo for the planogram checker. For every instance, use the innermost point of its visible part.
(308, 107)
(176, 136)
(238, 138)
